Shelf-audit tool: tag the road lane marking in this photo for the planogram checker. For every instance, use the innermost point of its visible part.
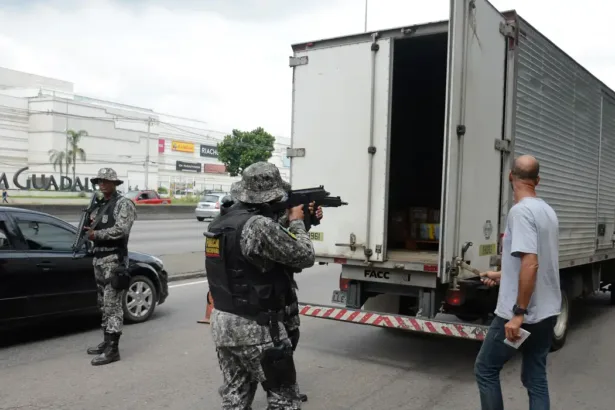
(188, 284)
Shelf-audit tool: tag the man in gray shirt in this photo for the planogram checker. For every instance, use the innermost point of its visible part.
(529, 294)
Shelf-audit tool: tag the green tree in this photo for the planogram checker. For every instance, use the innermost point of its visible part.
(58, 159)
(75, 151)
(241, 149)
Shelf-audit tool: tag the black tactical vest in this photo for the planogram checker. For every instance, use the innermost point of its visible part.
(107, 221)
(236, 285)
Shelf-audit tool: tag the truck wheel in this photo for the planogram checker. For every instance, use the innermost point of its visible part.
(467, 317)
(560, 330)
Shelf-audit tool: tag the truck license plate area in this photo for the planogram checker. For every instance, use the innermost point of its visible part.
(339, 296)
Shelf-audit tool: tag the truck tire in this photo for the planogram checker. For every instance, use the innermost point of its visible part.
(560, 330)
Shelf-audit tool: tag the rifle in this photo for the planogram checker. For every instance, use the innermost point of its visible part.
(304, 197)
(84, 222)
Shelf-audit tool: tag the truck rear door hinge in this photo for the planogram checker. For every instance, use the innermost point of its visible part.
(508, 29)
(296, 61)
(295, 152)
(502, 145)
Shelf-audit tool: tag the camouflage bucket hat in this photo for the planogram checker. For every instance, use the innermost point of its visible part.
(107, 174)
(260, 183)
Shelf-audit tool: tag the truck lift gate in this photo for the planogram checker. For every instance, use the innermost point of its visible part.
(409, 323)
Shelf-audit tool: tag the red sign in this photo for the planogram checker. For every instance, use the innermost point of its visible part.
(161, 146)
(214, 168)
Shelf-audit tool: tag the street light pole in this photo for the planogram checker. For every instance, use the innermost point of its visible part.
(365, 18)
(149, 123)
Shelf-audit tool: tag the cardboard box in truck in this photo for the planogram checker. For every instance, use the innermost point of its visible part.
(429, 118)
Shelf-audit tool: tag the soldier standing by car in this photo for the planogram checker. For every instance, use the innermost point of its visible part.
(110, 228)
(248, 253)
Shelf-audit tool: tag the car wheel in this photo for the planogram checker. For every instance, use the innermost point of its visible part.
(200, 218)
(560, 330)
(139, 300)
(165, 203)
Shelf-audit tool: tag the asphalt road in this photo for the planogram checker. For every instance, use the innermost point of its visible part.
(179, 243)
(170, 363)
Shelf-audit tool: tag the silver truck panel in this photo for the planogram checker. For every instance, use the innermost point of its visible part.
(606, 183)
(475, 94)
(558, 120)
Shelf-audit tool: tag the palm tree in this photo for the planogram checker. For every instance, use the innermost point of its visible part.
(58, 159)
(74, 150)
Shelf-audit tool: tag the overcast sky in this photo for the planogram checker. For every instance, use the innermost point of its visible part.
(226, 61)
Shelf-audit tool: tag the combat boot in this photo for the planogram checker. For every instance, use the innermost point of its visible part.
(111, 353)
(101, 347)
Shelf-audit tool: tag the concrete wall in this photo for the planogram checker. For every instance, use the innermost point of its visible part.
(18, 79)
(14, 128)
(111, 141)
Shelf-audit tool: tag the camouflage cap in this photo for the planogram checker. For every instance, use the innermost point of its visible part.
(260, 183)
(107, 174)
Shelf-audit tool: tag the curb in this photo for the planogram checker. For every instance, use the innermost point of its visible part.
(188, 275)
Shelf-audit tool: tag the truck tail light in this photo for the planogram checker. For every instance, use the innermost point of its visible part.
(344, 283)
(455, 297)
(218, 205)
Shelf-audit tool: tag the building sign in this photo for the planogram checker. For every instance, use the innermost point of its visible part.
(214, 168)
(45, 182)
(187, 166)
(180, 146)
(209, 151)
(161, 146)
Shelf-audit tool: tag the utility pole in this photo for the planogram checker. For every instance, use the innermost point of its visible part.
(365, 19)
(149, 124)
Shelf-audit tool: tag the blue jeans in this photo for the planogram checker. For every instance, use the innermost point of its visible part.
(494, 353)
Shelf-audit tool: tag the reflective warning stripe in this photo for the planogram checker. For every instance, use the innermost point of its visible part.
(459, 330)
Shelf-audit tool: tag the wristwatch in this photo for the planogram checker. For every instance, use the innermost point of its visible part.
(517, 311)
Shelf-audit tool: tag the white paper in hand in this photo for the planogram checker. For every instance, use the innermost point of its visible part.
(524, 335)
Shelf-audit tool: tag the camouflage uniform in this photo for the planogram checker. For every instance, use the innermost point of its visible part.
(265, 243)
(109, 298)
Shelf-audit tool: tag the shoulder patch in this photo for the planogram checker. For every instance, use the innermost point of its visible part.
(289, 233)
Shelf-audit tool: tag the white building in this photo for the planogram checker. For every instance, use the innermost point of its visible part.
(147, 149)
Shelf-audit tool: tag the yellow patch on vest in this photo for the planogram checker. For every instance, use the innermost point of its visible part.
(212, 247)
(289, 233)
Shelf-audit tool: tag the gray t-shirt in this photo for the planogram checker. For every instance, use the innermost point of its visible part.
(531, 227)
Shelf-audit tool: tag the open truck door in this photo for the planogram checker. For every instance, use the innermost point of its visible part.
(476, 93)
(340, 127)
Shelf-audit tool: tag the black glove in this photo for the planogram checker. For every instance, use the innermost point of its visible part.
(293, 335)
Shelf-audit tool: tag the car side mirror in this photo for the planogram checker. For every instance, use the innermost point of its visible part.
(89, 247)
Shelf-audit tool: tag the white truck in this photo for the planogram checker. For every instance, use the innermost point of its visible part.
(423, 122)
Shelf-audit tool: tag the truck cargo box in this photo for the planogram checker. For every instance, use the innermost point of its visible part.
(416, 127)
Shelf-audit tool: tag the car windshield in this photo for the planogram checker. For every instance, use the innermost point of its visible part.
(131, 194)
(210, 198)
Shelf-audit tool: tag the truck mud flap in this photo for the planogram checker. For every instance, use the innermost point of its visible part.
(409, 323)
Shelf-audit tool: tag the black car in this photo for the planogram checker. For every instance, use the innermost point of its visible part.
(40, 276)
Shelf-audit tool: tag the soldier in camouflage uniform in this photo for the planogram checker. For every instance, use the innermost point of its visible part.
(112, 220)
(248, 253)
(291, 319)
